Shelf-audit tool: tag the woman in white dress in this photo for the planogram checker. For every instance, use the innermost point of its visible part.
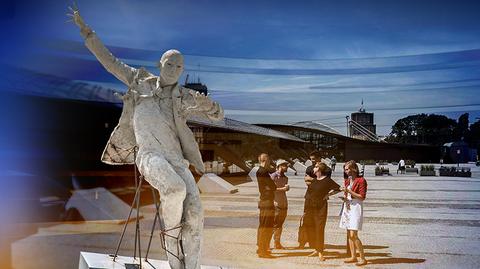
(355, 190)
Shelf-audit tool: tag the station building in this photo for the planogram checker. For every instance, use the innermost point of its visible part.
(71, 122)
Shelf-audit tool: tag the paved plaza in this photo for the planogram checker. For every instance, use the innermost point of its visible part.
(410, 222)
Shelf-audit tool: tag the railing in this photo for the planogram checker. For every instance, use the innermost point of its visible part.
(364, 131)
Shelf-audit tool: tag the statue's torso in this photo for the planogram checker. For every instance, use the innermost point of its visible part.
(153, 121)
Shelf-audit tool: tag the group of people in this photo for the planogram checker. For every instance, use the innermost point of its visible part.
(273, 205)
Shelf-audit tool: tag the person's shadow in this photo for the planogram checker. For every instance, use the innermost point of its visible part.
(339, 252)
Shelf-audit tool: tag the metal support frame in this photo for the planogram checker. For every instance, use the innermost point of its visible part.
(163, 232)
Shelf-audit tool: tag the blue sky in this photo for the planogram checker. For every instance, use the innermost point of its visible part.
(274, 61)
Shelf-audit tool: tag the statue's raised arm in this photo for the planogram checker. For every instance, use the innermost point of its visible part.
(113, 65)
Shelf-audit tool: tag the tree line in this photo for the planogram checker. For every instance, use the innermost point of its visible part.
(435, 129)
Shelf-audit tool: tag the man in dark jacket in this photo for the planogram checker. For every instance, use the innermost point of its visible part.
(267, 188)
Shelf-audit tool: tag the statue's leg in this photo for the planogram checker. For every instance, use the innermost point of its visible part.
(193, 219)
(161, 175)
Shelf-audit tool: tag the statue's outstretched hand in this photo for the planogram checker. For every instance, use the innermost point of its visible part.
(203, 103)
(199, 102)
(78, 20)
(74, 13)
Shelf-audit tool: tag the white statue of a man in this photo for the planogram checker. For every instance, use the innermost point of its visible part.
(153, 121)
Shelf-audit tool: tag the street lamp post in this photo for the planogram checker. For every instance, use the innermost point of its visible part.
(348, 128)
(458, 158)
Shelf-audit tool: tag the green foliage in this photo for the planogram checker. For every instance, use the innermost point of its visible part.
(380, 170)
(410, 163)
(423, 129)
(427, 168)
(435, 130)
(461, 132)
(474, 135)
(367, 162)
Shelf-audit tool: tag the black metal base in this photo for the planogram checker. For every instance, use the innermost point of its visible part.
(132, 266)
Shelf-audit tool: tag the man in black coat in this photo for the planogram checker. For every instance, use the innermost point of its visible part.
(267, 188)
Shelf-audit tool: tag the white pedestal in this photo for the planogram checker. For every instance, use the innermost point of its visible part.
(100, 204)
(89, 260)
(308, 163)
(300, 168)
(253, 174)
(290, 172)
(211, 183)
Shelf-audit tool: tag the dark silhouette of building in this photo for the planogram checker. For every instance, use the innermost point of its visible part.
(458, 152)
(329, 142)
(197, 86)
(362, 125)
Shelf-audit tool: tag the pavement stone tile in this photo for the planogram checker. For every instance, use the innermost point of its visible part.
(410, 222)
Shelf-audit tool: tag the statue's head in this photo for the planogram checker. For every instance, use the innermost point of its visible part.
(171, 66)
